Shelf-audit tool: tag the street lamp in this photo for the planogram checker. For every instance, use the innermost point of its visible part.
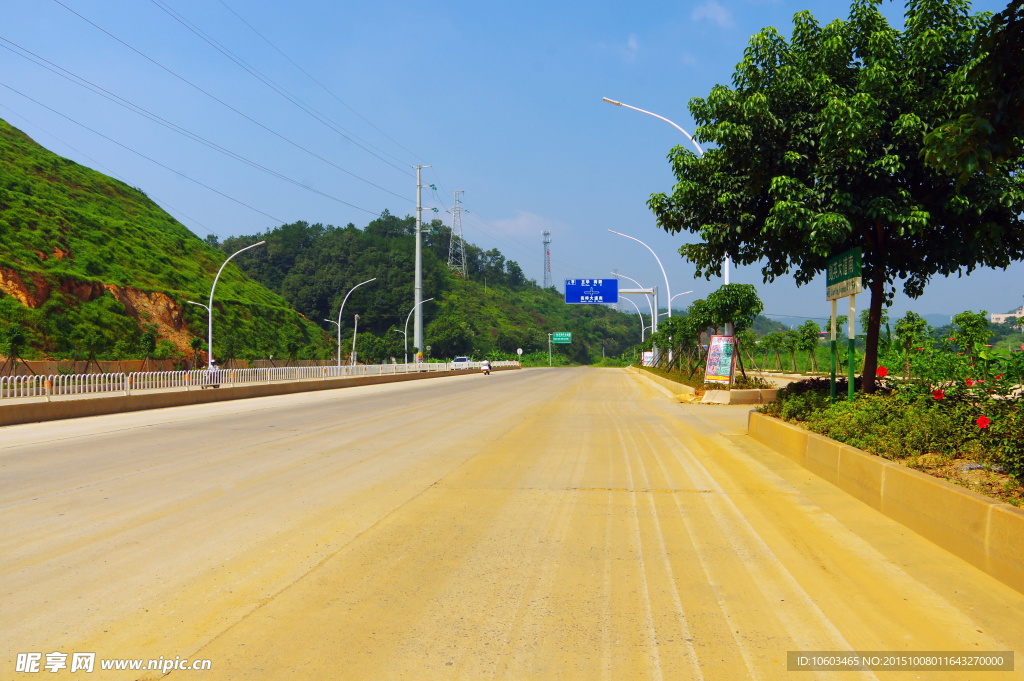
(331, 321)
(676, 296)
(668, 290)
(639, 285)
(342, 309)
(406, 332)
(209, 308)
(725, 265)
(642, 327)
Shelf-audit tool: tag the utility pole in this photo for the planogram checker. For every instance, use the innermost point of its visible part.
(549, 349)
(547, 257)
(417, 326)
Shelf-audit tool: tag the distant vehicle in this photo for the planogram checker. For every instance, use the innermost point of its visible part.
(460, 363)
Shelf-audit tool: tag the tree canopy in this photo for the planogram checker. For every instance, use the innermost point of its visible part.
(818, 148)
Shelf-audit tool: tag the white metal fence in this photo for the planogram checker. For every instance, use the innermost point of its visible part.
(78, 384)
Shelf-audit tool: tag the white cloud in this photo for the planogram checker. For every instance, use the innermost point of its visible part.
(712, 11)
(629, 53)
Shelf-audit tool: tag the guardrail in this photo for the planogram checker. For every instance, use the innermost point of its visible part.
(79, 384)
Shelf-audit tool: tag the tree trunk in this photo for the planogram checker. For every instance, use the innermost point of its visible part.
(792, 356)
(877, 288)
(739, 355)
(778, 360)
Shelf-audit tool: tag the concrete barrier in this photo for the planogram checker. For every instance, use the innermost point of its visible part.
(36, 412)
(988, 534)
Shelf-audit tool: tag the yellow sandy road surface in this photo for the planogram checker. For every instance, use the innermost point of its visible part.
(573, 524)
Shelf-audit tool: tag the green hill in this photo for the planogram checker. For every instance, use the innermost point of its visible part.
(492, 312)
(89, 265)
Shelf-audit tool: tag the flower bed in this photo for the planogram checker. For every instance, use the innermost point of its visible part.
(966, 430)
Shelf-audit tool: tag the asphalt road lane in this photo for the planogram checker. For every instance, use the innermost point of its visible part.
(535, 524)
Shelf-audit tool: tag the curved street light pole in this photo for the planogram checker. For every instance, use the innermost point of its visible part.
(676, 296)
(406, 332)
(642, 327)
(668, 289)
(725, 265)
(209, 309)
(639, 285)
(342, 309)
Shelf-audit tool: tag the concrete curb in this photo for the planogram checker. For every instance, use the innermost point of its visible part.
(755, 396)
(37, 412)
(988, 534)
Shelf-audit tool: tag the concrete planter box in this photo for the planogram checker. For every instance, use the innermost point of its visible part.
(712, 396)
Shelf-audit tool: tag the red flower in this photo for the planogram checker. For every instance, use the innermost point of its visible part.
(938, 394)
(983, 421)
(999, 376)
(882, 372)
(969, 383)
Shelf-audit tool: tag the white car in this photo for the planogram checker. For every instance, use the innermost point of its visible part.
(460, 363)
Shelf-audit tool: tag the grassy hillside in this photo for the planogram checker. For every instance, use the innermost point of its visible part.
(89, 265)
(491, 313)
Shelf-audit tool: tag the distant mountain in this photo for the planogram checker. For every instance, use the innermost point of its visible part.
(89, 265)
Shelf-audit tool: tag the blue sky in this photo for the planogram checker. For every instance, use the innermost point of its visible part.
(502, 99)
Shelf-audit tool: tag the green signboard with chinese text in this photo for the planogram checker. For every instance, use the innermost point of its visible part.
(843, 276)
(561, 337)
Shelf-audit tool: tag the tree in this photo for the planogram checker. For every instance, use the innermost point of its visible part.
(990, 104)
(818, 149)
(736, 304)
(809, 338)
(196, 344)
(911, 330)
(971, 328)
(774, 342)
(13, 340)
(790, 340)
(147, 343)
(449, 336)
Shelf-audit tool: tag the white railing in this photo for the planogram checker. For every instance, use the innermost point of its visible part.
(78, 384)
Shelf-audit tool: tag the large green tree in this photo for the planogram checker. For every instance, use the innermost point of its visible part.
(818, 148)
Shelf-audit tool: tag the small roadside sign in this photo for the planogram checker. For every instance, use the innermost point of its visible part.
(561, 337)
(519, 351)
(843, 276)
(721, 360)
(591, 291)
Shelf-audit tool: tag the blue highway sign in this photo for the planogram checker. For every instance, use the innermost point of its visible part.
(591, 291)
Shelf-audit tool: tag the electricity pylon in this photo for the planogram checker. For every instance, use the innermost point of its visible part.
(457, 246)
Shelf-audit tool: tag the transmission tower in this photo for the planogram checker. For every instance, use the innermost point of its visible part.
(457, 246)
(547, 258)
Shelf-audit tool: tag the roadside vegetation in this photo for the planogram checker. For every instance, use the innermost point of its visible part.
(952, 405)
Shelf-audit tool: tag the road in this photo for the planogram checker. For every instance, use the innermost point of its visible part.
(536, 524)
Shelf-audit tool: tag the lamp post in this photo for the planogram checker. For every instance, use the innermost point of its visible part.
(649, 303)
(406, 332)
(202, 306)
(725, 264)
(668, 290)
(331, 321)
(642, 327)
(342, 309)
(676, 296)
(209, 308)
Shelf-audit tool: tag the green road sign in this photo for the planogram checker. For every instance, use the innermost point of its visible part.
(843, 275)
(561, 337)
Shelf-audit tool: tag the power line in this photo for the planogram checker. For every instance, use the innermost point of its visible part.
(177, 172)
(321, 85)
(111, 172)
(269, 82)
(225, 104)
(145, 113)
